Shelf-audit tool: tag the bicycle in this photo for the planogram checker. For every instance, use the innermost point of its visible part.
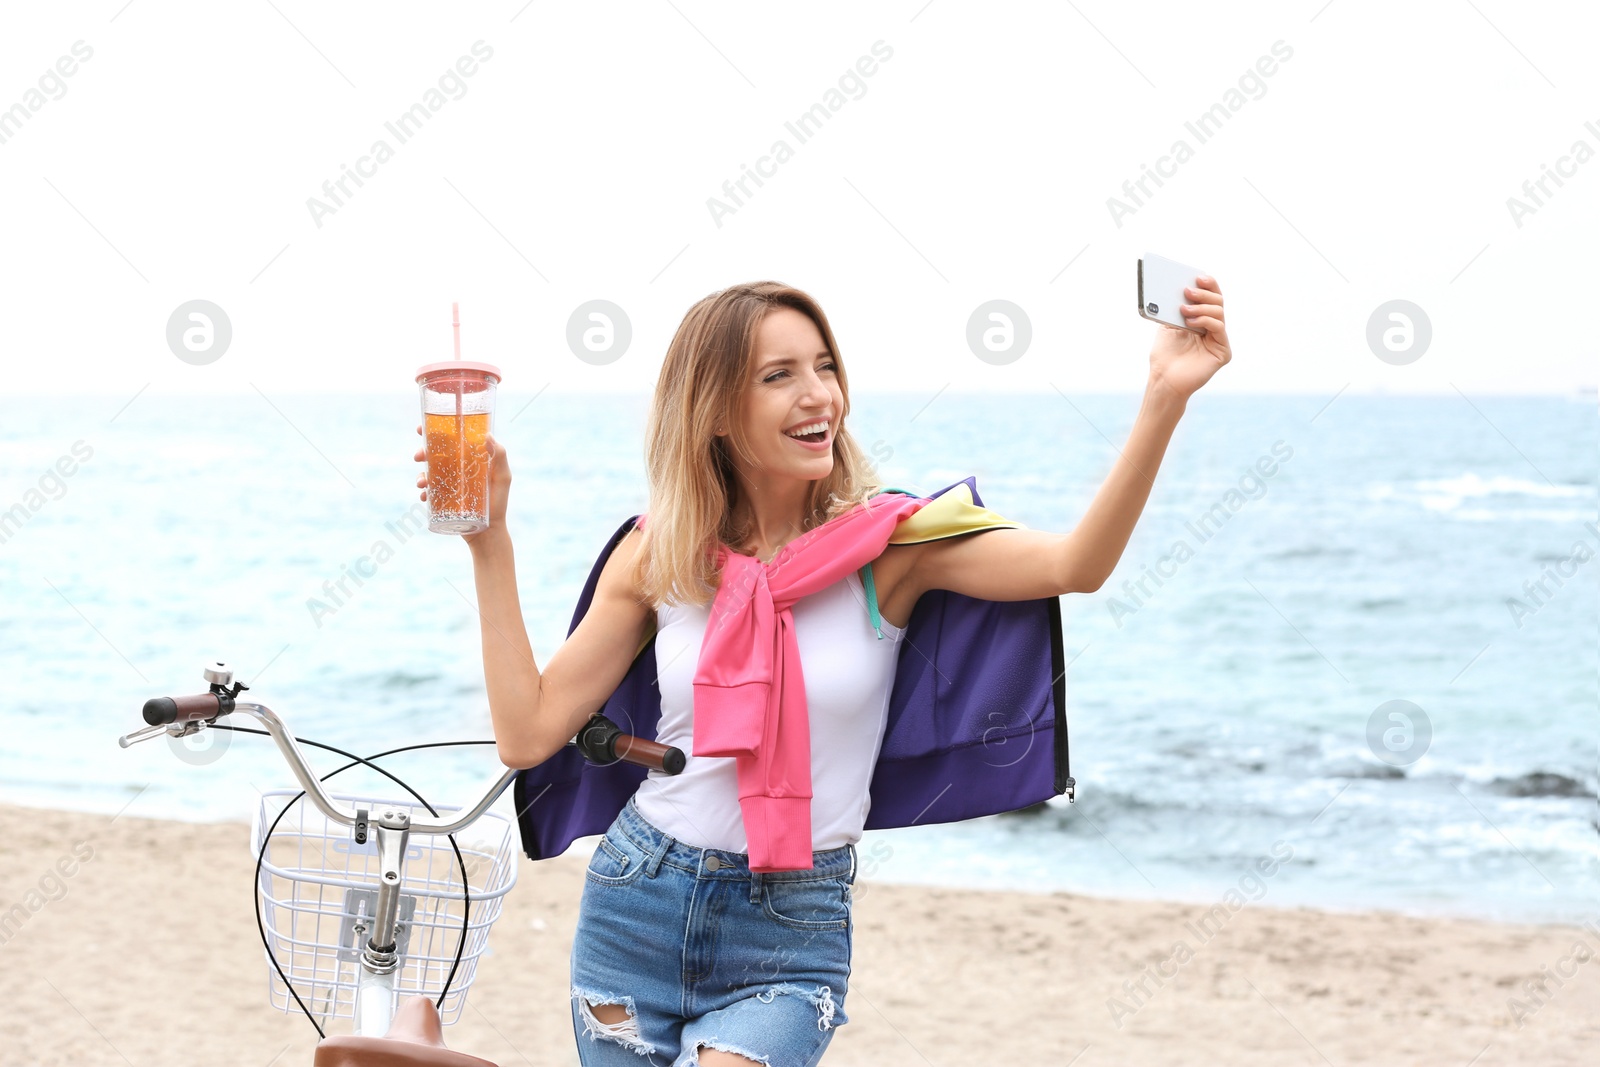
(357, 928)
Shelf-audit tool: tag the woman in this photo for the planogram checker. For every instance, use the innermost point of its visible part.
(686, 965)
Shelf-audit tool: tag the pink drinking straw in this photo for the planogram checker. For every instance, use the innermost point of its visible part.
(455, 325)
(461, 429)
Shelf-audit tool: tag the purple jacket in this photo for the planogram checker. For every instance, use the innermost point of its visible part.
(977, 721)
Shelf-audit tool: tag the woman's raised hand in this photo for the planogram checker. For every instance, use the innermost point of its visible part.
(1183, 360)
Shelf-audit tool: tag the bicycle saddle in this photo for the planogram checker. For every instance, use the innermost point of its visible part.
(414, 1040)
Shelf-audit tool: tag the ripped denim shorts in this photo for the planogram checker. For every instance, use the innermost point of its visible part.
(701, 951)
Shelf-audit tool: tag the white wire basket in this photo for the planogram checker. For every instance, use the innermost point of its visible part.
(316, 882)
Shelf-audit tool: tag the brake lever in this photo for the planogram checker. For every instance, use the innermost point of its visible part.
(175, 729)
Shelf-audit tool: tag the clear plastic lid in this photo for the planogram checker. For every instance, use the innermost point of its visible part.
(457, 368)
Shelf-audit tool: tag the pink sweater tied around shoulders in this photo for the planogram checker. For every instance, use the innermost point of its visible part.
(749, 691)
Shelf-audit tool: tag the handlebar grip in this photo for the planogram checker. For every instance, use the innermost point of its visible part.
(160, 711)
(602, 742)
(650, 753)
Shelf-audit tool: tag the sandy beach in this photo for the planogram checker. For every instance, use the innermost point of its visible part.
(146, 953)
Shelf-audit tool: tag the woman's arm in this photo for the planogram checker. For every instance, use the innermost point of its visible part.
(1029, 564)
(536, 712)
(1090, 552)
(1181, 361)
(510, 673)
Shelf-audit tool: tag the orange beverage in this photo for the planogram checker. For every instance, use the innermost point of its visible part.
(457, 419)
(458, 471)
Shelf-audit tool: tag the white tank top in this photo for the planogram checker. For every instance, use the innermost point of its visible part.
(849, 673)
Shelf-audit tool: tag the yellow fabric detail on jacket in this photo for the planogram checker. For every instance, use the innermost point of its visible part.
(949, 515)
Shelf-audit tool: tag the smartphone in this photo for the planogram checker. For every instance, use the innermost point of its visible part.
(1161, 285)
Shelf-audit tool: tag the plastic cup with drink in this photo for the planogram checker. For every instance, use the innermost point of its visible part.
(457, 418)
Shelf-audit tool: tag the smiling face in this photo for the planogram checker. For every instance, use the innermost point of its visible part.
(793, 383)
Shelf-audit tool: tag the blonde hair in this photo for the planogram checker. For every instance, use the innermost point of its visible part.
(693, 488)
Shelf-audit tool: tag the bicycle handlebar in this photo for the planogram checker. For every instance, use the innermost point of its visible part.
(344, 814)
(601, 741)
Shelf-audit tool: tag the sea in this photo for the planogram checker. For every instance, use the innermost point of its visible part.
(1348, 659)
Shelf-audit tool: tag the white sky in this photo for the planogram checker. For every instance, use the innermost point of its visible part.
(1375, 166)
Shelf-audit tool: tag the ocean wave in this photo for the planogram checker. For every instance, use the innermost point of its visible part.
(1494, 497)
(1472, 485)
(1564, 515)
(1540, 784)
(1358, 768)
(399, 679)
(1312, 552)
(1532, 784)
